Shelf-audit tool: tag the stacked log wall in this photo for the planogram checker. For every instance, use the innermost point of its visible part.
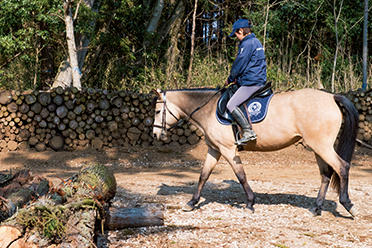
(363, 102)
(68, 119)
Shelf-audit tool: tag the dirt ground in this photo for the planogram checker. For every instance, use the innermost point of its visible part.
(285, 182)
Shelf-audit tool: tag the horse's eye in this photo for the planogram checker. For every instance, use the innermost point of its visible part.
(157, 112)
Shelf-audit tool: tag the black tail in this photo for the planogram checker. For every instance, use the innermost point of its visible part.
(347, 137)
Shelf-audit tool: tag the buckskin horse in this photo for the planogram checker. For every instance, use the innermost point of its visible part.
(312, 115)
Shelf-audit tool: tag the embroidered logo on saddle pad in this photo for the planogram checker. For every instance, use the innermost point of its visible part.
(256, 106)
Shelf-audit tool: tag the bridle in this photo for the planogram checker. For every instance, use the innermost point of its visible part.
(179, 122)
(165, 108)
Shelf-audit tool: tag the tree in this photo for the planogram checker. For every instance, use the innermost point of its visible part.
(336, 18)
(189, 74)
(142, 44)
(365, 46)
(153, 24)
(173, 52)
(28, 32)
(71, 44)
(70, 70)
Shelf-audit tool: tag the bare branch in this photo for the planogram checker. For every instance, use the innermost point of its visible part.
(77, 10)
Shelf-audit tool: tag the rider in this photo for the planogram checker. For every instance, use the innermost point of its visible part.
(248, 72)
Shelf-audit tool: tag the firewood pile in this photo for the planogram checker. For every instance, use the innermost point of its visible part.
(68, 119)
(34, 213)
(363, 102)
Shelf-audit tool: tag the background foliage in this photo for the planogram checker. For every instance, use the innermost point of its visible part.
(299, 38)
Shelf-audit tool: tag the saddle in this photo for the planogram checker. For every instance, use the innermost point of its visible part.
(256, 105)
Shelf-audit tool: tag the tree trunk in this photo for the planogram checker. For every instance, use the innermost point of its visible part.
(83, 40)
(189, 74)
(173, 51)
(158, 9)
(308, 65)
(71, 44)
(319, 76)
(365, 45)
(166, 28)
(336, 16)
(266, 22)
(64, 77)
(290, 54)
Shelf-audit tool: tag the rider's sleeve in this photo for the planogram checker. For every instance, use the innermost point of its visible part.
(241, 61)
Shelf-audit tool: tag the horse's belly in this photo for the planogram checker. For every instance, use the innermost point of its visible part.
(278, 130)
(263, 144)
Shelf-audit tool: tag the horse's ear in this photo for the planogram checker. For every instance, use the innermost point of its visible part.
(157, 92)
(156, 97)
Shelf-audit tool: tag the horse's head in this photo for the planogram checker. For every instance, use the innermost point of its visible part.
(166, 115)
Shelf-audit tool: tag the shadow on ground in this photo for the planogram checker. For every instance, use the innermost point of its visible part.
(234, 196)
(129, 160)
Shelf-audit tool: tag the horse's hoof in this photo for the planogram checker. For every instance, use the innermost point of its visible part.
(353, 211)
(251, 208)
(188, 207)
(316, 211)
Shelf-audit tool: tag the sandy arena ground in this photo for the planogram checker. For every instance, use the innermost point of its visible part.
(285, 182)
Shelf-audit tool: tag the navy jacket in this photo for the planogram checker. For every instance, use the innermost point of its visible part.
(249, 67)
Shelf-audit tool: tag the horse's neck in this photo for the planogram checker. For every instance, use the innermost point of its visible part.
(188, 101)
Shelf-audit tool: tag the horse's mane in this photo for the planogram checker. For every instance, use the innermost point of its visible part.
(194, 89)
(196, 96)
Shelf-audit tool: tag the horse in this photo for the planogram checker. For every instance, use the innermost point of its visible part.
(313, 115)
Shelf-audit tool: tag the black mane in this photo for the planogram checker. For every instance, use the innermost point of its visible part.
(195, 89)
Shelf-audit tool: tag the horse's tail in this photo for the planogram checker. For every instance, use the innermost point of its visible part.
(347, 137)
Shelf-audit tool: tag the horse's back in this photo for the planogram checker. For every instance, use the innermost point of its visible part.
(305, 113)
(316, 110)
(319, 118)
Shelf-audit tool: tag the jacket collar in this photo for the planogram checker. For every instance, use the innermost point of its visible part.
(250, 36)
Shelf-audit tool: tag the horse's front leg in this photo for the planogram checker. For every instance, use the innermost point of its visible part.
(236, 164)
(210, 162)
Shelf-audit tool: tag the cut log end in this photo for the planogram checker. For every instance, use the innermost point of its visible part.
(8, 234)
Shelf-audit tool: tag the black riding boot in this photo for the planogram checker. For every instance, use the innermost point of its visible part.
(248, 133)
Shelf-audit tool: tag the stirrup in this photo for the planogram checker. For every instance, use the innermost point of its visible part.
(246, 139)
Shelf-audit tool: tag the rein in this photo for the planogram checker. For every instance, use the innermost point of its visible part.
(179, 122)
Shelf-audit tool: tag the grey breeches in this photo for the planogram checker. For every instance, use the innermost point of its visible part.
(240, 96)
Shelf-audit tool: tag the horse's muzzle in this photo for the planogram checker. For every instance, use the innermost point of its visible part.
(160, 135)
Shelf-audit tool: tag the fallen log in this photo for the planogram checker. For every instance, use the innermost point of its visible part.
(18, 189)
(70, 213)
(67, 214)
(119, 218)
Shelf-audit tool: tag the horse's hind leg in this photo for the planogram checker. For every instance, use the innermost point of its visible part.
(341, 179)
(344, 188)
(210, 162)
(326, 173)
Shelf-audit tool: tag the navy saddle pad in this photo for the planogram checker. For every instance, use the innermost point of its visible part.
(256, 105)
